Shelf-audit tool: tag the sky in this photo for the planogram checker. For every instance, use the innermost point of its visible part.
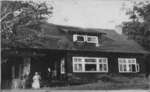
(89, 13)
(106, 14)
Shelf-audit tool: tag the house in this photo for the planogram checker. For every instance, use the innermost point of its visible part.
(75, 53)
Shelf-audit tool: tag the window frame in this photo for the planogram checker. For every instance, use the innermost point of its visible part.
(75, 38)
(86, 39)
(94, 41)
(97, 63)
(126, 64)
(62, 66)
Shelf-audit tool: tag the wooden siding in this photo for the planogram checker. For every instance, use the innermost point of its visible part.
(112, 64)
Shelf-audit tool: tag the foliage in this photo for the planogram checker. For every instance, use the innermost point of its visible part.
(20, 21)
(139, 28)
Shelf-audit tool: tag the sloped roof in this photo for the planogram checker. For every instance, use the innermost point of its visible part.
(113, 41)
(59, 37)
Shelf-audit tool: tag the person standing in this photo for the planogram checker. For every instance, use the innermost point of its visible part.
(54, 74)
(36, 81)
(49, 74)
(24, 81)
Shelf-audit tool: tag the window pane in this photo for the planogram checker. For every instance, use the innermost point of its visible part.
(91, 38)
(133, 68)
(124, 61)
(100, 61)
(130, 68)
(134, 61)
(130, 61)
(90, 60)
(90, 67)
(120, 60)
(124, 67)
(100, 67)
(138, 67)
(105, 67)
(80, 38)
(121, 67)
(78, 67)
(104, 60)
(77, 59)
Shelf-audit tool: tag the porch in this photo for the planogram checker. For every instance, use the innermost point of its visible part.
(18, 63)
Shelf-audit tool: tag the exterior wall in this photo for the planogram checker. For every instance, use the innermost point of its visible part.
(147, 62)
(112, 64)
(69, 74)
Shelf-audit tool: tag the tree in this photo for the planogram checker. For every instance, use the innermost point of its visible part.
(20, 21)
(138, 28)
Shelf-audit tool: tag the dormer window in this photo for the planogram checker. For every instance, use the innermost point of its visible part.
(85, 38)
(79, 38)
(92, 39)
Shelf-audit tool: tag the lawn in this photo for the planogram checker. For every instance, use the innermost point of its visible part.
(110, 83)
(104, 83)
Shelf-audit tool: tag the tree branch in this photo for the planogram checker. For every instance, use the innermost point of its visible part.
(5, 16)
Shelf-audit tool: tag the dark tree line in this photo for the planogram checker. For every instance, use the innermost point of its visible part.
(138, 28)
(20, 21)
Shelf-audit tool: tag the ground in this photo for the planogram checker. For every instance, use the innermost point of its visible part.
(110, 84)
(49, 90)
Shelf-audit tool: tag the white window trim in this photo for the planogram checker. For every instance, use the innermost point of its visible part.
(127, 65)
(103, 64)
(77, 63)
(86, 39)
(62, 66)
(95, 37)
(84, 63)
(138, 68)
(75, 38)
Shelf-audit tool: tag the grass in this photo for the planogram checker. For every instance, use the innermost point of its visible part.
(105, 82)
(110, 83)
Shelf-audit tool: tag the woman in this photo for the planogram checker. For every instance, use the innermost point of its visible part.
(49, 74)
(36, 81)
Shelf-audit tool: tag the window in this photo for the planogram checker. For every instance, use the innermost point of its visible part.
(85, 38)
(62, 66)
(103, 64)
(90, 64)
(79, 38)
(92, 39)
(128, 65)
(77, 64)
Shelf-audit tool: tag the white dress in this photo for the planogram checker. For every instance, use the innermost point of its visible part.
(36, 82)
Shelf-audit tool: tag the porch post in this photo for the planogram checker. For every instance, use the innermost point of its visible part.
(26, 65)
(13, 85)
(13, 72)
(20, 70)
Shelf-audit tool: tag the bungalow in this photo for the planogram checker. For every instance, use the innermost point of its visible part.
(74, 53)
